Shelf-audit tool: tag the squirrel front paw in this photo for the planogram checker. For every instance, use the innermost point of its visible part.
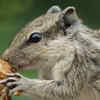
(15, 82)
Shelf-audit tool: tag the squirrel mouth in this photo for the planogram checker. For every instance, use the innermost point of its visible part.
(21, 66)
(24, 66)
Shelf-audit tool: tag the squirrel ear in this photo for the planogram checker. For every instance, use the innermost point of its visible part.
(69, 10)
(69, 16)
(54, 9)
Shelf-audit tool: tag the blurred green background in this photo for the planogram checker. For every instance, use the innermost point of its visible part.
(14, 14)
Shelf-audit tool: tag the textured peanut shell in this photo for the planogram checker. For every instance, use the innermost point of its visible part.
(6, 68)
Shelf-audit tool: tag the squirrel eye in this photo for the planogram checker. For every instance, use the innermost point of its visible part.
(34, 37)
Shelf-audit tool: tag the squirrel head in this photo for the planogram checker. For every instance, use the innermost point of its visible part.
(41, 42)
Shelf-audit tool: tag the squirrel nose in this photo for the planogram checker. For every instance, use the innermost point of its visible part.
(5, 55)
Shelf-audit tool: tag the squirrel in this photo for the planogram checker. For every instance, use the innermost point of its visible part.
(65, 51)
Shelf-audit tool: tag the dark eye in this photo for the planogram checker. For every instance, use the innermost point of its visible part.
(34, 37)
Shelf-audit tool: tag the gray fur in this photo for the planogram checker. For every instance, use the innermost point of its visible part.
(68, 57)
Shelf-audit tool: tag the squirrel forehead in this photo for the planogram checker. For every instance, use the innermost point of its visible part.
(41, 24)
